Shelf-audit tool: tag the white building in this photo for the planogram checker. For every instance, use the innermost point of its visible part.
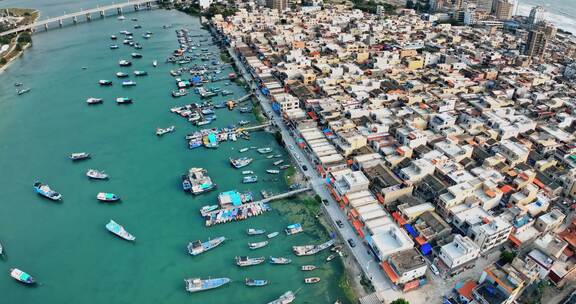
(389, 239)
(491, 234)
(460, 251)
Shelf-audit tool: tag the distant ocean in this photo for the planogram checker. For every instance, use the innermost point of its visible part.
(562, 13)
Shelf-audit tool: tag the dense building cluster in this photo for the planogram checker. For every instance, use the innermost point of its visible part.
(442, 143)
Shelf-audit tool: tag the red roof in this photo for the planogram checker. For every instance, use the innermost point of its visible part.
(389, 272)
(506, 188)
(466, 289)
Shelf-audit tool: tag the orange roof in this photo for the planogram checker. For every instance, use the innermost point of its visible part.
(514, 240)
(420, 240)
(353, 212)
(466, 289)
(389, 272)
(506, 188)
(538, 183)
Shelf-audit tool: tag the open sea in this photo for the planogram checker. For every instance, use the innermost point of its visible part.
(65, 245)
(562, 13)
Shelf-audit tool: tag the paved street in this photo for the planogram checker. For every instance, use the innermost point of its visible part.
(360, 252)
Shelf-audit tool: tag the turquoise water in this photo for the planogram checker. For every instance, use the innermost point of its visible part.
(65, 245)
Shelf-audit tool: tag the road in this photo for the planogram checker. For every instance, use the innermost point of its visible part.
(368, 264)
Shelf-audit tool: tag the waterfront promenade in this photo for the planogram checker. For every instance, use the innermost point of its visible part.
(366, 261)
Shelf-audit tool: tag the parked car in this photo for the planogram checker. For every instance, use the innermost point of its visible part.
(352, 243)
(434, 269)
(304, 168)
(339, 223)
(325, 202)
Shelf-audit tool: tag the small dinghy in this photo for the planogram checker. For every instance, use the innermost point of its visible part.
(119, 230)
(272, 235)
(107, 197)
(22, 276)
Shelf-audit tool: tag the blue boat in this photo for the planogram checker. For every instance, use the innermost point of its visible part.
(198, 247)
(45, 191)
(186, 185)
(197, 284)
(256, 283)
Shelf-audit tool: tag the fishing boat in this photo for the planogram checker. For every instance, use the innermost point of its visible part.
(128, 83)
(293, 229)
(123, 100)
(197, 284)
(198, 247)
(312, 280)
(240, 162)
(121, 74)
(155, 63)
(119, 230)
(45, 191)
(160, 131)
(273, 171)
(286, 298)
(252, 231)
(107, 197)
(243, 150)
(124, 63)
(272, 235)
(255, 282)
(330, 257)
(308, 267)
(22, 276)
(304, 250)
(79, 156)
(95, 174)
(105, 82)
(257, 245)
(136, 55)
(250, 179)
(113, 46)
(244, 261)
(280, 260)
(93, 100)
(247, 172)
(204, 211)
(264, 150)
(140, 73)
(276, 163)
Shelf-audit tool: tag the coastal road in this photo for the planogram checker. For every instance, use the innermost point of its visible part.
(361, 253)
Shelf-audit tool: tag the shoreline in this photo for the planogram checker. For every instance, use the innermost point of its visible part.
(36, 15)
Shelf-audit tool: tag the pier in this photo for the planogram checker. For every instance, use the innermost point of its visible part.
(254, 128)
(87, 14)
(284, 195)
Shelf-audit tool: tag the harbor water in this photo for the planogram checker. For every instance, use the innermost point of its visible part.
(65, 245)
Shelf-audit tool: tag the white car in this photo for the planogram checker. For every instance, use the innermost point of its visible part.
(434, 269)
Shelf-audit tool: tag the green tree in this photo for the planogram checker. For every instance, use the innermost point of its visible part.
(507, 256)
(25, 38)
(3, 61)
(400, 301)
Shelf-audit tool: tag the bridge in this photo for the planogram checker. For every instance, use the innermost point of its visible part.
(284, 195)
(118, 8)
(252, 128)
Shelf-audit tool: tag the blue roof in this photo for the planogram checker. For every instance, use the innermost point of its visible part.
(411, 230)
(212, 138)
(426, 249)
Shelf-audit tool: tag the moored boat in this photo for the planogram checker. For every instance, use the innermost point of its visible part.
(312, 280)
(272, 235)
(95, 174)
(264, 150)
(105, 82)
(119, 230)
(79, 156)
(276, 163)
(124, 63)
(140, 73)
(123, 100)
(22, 276)
(113, 46)
(107, 197)
(243, 150)
(240, 162)
(330, 257)
(244, 261)
(280, 260)
(93, 100)
(136, 55)
(247, 172)
(113, 37)
(197, 284)
(45, 191)
(128, 83)
(257, 245)
(155, 63)
(272, 171)
(186, 185)
(293, 229)
(255, 282)
(160, 131)
(286, 298)
(207, 209)
(250, 179)
(121, 74)
(198, 247)
(308, 267)
(252, 231)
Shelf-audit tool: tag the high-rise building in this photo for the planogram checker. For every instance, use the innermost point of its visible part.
(537, 43)
(536, 15)
(504, 9)
(280, 5)
(483, 5)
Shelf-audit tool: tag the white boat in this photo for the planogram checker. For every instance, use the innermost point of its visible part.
(95, 174)
(93, 100)
(243, 150)
(1, 249)
(155, 63)
(128, 83)
(286, 298)
(272, 171)
(252, 231)
(160, 131)
(121, 17)
(247, 172)
(272, 235)
(119, 230)
(257, 245)
(276, 163)
(308, 267)
(312, 280)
